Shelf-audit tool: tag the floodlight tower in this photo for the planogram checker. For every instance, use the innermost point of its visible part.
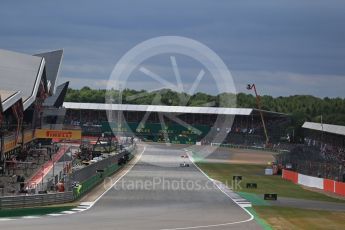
(258, 103)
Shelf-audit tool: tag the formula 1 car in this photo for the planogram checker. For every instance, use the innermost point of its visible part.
(184, 164)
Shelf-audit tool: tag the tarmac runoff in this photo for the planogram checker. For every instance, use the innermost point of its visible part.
(155, 194)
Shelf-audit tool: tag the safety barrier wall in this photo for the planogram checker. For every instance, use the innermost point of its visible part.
(290, 175)
(329, 185)
(89, 171)
(309, 181)
(9, 202)
(315, 182)
(246, 147)
(96, 178)
(340, 188)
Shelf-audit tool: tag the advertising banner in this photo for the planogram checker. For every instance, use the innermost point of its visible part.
(58, 134)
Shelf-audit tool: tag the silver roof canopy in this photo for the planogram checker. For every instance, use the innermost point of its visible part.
(53, 61)
(334, 129)
(158, 108)
(8, 98)
(21, 72)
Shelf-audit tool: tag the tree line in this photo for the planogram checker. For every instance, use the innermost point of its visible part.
(300, 107)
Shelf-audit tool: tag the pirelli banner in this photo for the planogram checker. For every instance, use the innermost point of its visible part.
(58, 134)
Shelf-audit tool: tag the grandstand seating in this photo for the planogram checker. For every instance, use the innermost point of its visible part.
(246, 130)
(322, 154)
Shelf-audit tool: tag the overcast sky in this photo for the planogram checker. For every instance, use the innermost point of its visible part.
(285, 47)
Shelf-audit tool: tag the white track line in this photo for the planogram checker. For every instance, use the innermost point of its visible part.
(5, 219)
(129, 169)
(30, 217)
(68, 212)
(87, 205)
(78, 209)
(192, 160)
(55, 214)
(82, 206)
(215, 225)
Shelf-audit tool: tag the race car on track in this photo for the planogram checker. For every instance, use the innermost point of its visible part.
(184, 164)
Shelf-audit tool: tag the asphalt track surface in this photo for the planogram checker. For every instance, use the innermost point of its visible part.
(155, 194)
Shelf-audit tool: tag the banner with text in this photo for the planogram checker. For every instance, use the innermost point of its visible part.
(58, 134)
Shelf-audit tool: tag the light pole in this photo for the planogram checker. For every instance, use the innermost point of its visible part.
(258, 103)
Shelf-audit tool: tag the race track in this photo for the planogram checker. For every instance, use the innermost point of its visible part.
(156, 194)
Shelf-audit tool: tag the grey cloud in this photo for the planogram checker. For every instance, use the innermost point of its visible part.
(296, 37)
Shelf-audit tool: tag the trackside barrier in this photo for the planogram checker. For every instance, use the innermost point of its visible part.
(329, 185)
(97, 178)
(315, 182)
(245, 147)
(310, 181)
(290, 175)
(10, 202)
(340, 188)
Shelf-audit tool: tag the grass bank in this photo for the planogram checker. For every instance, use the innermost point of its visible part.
(33, 211)
(276, 217)
(294, 218)
(266, 184)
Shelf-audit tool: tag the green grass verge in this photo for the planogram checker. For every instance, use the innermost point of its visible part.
(33, 211)
(266, 184)
(259, 220)
(254, 198)
(294, 218)
(275, 217)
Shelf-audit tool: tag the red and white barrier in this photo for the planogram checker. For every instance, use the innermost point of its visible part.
(315, 182)
(310, 181)
(328, 185)
(339, 188)
(290, 175)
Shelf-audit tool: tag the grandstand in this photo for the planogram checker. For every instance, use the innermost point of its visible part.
(322, 154)
(26, 83)
(31, 100)
(182, 125)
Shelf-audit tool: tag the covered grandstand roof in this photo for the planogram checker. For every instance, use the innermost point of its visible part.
(160, 108)
(53, 61)
(21, 74)
(8, 98)
(334, 129)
